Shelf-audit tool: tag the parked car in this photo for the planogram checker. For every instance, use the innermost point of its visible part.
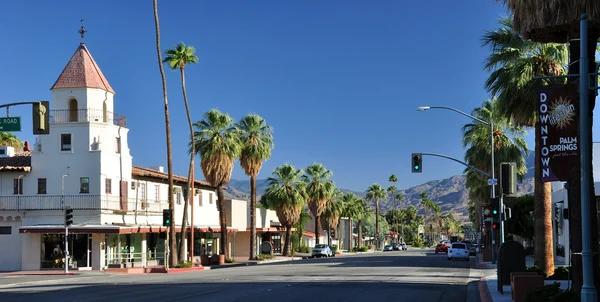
(403, 246)
(396, 246)
(441, 248)
(458, 250)
(322, 250)
(388, 248)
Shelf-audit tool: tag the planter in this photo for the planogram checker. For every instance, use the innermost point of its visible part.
(205, 260)
(218, 259)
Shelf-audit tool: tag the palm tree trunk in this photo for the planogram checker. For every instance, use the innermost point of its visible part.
(253, 217)
(172, 234)
(544, 249)
(359, 226)
(288, 240)
(317, 218)
(377, 222)
(574, 191)
(350, 237)
(181, 248)
(223, 246)
(190, 171)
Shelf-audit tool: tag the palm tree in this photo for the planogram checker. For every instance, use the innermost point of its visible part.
(9, 139)
(218, 143)
(331, 215)
(400, 197)
(319, 188)
(177, 58)
(556, 21)
(173, 237)
(376, 192)
(257, 140)
(286, 193)
(392, 191)
(514, 62)
(352, 209)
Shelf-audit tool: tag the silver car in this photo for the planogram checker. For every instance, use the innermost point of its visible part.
(322, 250)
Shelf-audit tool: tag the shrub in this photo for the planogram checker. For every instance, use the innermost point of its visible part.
(335, 248)
(371, 246)
(229, 260)
(551, 293)
(184, 264)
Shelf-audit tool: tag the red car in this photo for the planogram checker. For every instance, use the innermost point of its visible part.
(441, 248)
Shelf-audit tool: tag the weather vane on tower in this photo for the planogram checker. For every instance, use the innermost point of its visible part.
(82, 31)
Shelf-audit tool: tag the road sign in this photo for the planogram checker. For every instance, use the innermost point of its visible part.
(10, 124)
(492, 181)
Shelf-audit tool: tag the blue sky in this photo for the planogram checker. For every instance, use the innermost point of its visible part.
(338, 80)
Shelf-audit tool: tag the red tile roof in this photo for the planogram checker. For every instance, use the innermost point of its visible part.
(151, 173)
(21, 161)
(82, 72)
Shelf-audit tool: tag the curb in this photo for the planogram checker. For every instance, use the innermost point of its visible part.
(38, 274)
(484, 291)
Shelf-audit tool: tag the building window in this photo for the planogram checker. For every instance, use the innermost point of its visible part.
(157, 193)
(41, 186)
(210, 198)
(118, 145)
(65, 142)
(178, 195)
(199, 197)
(84, 185)
(142, 191)
(73, 111)
(108, 186)
(18, 186)
(5, 230)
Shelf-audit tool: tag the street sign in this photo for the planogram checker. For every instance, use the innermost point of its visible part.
(492, 181)
(10, 124)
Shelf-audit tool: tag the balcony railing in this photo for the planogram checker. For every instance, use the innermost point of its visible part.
(62, 116)
(78, 202)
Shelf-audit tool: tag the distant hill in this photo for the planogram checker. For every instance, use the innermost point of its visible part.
(450, 193)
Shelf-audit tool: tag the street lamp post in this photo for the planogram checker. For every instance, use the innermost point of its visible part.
(493, 191)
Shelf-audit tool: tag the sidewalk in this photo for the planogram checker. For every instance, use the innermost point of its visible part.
(488, 285)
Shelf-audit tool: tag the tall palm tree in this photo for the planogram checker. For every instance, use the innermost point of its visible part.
(400, 197)
(257, 140)
(286, 194)
(177, 58)
(514, 62)
(376, 192)
(319, 188)
(172, 237)
(218, 143)
(392, 191)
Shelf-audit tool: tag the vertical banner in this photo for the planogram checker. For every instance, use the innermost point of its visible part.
(559, 132)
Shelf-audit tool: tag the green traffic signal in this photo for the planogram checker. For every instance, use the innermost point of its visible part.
(416, 167)
(495, 212)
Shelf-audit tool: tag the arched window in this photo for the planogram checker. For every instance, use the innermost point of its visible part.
(104, 113)
(73, 111)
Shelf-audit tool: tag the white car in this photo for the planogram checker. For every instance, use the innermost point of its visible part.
(322, 250)
(458, 250)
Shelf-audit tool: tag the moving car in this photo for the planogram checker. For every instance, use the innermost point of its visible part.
(441, 248)
(458, 250)
(322, 250)
(471, 247)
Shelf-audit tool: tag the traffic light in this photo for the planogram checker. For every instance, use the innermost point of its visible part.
(508, 178)
(417, 162)
(167, 217)
(494, 225)
(494, 206)
(68, 216)
(41, 117)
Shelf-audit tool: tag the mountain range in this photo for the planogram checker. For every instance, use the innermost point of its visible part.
(450, 193)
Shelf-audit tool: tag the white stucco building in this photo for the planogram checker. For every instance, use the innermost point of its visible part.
(85, 163)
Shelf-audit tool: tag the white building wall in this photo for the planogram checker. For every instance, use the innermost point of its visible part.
(11, 245)
(31, 246)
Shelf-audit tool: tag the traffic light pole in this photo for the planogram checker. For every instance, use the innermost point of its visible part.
(458, 161)
(66, 249)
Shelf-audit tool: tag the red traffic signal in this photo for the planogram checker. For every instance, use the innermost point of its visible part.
(494, 226)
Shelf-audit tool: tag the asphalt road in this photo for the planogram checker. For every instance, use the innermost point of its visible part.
(413, 275)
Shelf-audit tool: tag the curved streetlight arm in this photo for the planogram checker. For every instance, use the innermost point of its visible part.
(458, 161)
(460, 112)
